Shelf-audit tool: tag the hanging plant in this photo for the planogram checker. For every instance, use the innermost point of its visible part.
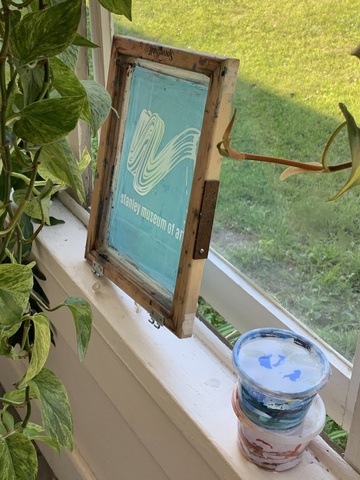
(42, 101)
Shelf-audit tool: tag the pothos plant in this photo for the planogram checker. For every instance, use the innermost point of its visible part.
(296, 167)
(41, 102)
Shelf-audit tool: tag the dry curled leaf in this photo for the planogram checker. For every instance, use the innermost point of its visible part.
(294, 170)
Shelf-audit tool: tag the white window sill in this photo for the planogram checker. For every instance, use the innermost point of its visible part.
(191, 380)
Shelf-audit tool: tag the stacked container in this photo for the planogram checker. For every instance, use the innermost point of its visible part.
(276, 397)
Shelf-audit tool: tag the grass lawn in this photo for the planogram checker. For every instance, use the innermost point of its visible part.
(295, 69)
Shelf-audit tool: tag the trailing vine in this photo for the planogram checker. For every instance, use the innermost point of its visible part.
(41, 102)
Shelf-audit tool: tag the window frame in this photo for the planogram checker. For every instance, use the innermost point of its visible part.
(190, 381)
(230, 293)
(133, 272)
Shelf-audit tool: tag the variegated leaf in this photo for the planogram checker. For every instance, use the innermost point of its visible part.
(35, 208)
(120, 7)
(40, 349)
(18, 459)
(46, 33)
(55, 407)
(68, 85)
(16, 282)
(82, 315)
(59, 164)
(36, 433)
(100, 103)
(48, 120)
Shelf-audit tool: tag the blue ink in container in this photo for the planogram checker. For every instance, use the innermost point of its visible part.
(279, 374)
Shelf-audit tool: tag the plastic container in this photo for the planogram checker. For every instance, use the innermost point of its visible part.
(279, 374)
(278, 450)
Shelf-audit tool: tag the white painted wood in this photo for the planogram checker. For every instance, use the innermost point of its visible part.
(246, 308)
(101, 33)
(240, 301)
(183, 389)
(80, 137)
(323, 453)
(168, 399)
(242, 304)
(352, 453)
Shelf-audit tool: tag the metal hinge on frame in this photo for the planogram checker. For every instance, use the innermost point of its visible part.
(156, 319)
(97, 269)
(206, 219)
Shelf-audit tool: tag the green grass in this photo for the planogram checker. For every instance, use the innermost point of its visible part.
(207, 314)
(297, 50)
(295, 69)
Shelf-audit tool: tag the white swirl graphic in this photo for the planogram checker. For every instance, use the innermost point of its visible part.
(148, 165)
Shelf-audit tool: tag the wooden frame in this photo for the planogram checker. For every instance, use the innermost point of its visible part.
(119, 228)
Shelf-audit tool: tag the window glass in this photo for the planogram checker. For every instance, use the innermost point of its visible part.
(295, 246)
(295, 69)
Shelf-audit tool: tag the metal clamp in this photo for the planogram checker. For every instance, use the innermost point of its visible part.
(97, 269)
(156, 319)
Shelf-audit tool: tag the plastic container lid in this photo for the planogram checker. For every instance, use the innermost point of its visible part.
(280, 363)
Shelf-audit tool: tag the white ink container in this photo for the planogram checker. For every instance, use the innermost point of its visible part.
(277, 450)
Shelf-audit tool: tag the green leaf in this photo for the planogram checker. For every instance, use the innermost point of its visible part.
(48, 440)
(84, 160)
(81, 41)
(7, 332)
(16, 282)
(120, 7)
(58, 163)
(100, 103)
(2, 432)
(70, 56)
(15, 17)
(46, 190)
(55, 407)
(32, 80)
(82, 315)
(17, 395)
(68, 85)
(40, 349)
(13, 93)
(18, 156)
(6, 348)
(354, 141)
(27, 229)
(32, 429)
(18, 458)
(56, 221)
(48, 120)
(18, 102)
(8, 420)
(38, 208)
(34, 432)
(46, 33)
